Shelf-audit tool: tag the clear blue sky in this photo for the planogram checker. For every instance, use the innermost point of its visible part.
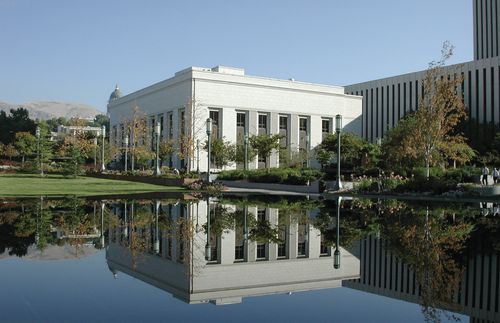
(78, 50)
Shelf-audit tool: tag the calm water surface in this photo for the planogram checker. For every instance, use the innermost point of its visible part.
(269, 259)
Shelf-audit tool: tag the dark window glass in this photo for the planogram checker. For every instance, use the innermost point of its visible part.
(239, 253)
(241, 120)
(303, 124)
(263, 121)
(261, 251)
(283, 123)
(325, 126)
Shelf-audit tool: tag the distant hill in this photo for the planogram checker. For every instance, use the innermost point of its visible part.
(52, 109)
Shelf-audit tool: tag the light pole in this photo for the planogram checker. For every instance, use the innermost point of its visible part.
(246, 152)
(208, 247)
(336, 254)
(39, 153)
(95, 153)
(103, 130)
(198, 156)
(157, 231)
(103, 240)
(157, 133)
(209, 134)
(125, 141)
(338, 128)
(307, 150)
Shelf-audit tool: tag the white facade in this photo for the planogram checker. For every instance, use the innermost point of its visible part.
(243, 104)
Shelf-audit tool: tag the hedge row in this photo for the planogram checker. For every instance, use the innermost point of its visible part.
(291, 176)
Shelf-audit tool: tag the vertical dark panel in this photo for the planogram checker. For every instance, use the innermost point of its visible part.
(387, 110)
(485, 116)
(404, 99)
(371, 114)
(481, 24)
(477, 31)
(366, 113)
(486, 29)
(382, 112)
(396, 271)
(497, 292)
(399, 101)
(488, 300)
(469, 86)
(411, 96)
(477, 96)
(474, 287)
(393, 106)
(376, 114)
(416, 94)
(365, 264)
(496, 26)
(490, 9)
(467, 274)
(481, 282)
(492, 94)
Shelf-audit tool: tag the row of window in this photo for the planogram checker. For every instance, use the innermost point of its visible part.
(384, 106)
(486, 28)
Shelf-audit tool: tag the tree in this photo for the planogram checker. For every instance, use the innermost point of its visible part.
(440, 110)
(323, 156)
(18, 120)
(26, 144)
(101, 120)
(352, 148)
(264, 145)
(72, 165)
(10, 151)
(44, 154)
(394, 153)
(137, 129)
(222, 152)
(167, 149)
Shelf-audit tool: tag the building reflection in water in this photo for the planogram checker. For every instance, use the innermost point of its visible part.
(254, 250)
(383, 273)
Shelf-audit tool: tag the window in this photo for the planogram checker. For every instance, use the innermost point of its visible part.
(303, 124)
(283, 131)
(325, 126)
(261, 251)
(161, 126)
(301, 250)
(182, 119)
(263, 121)
(239, 254)
(240, 120)
(283, 123)
(282, 250)
(261, 214)
(214, 115)
(170, 119)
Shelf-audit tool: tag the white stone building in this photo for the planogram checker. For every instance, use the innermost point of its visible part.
(237, 104)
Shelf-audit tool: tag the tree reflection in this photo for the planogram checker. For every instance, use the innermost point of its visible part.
(430, 244)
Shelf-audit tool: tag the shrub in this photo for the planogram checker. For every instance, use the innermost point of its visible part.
(433, 184)
(292, 176)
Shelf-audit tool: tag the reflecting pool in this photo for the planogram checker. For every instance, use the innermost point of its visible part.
(246, 258)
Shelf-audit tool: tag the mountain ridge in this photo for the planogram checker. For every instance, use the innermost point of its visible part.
(45, 110)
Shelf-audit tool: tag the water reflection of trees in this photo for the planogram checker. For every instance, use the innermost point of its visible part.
(42, 222)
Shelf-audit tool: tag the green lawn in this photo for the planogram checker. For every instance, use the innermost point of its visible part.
(29, 185)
